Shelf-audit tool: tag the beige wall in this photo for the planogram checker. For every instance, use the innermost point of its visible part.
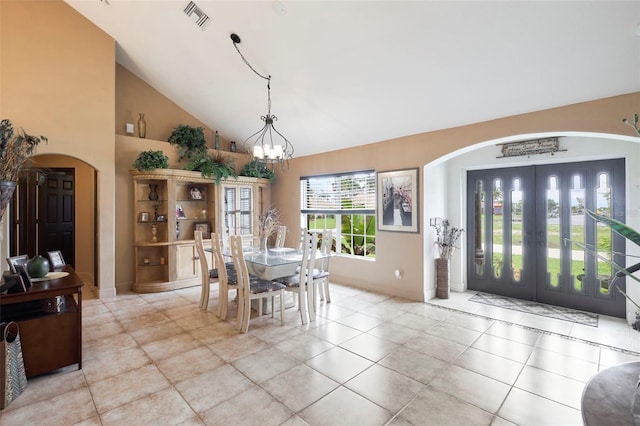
(134, 96)
(406, 251)
(57, 78)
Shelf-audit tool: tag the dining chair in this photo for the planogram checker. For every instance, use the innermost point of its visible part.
(303, 233)
(252, 288)
(206, 274)
(281, 236)
(226, 272)
(321, 271)
(302, 282)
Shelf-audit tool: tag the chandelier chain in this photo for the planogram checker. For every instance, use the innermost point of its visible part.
(268, 78)
(261, 145)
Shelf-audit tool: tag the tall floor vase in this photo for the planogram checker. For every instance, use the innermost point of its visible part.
(442, 278)
(6, 192)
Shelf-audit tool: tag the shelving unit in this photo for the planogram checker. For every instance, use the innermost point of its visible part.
(185, 202)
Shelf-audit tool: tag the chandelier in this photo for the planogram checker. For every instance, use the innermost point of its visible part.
(267, 145)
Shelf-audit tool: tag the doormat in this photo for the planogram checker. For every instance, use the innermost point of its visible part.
(550, 311)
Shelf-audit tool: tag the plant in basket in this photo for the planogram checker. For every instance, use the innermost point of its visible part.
(446, 239)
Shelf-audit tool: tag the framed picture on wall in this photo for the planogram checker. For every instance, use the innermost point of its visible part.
(397, 201)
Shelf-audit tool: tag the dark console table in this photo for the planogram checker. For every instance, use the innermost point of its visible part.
(50, 339)
(607, 397)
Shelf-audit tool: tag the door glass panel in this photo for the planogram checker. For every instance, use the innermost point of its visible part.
(604, 234)
(229, 210)
(516, 230)
(577, 231)
(497, 237)
(245, 211)
(554, 266)
(480, 234)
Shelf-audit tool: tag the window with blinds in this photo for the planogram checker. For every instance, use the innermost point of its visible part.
(344, 202)
(343, 193)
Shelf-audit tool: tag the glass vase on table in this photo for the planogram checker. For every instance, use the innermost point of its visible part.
(263, 244)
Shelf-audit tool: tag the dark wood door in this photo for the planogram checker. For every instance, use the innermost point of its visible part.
(57, 213)
(520, 225)
(23, 232)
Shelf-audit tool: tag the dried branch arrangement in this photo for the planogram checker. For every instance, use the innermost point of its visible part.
(15, 150)
(269, 223)
(446, 238)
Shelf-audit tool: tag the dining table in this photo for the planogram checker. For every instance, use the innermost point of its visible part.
(276, 262)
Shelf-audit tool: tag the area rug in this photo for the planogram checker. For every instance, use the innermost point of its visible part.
(550, 311)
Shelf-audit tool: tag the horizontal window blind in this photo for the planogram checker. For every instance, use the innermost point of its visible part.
(343, 193)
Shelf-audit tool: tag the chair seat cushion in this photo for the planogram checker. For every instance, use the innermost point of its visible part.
(264, 286)
(291, 281)
(213, 273)
(319, 273)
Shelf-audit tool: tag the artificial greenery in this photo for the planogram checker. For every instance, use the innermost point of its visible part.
(190, 141)
(149, 160)
(623, 230)
(633, 123)
(257, 169)
(217, 166)
(15, 150)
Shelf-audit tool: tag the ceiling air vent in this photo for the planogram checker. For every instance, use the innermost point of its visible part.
(197, 15)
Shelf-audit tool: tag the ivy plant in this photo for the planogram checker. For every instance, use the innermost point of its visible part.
(258, 169)
(149, 160)
(217, 166)
(190, 141)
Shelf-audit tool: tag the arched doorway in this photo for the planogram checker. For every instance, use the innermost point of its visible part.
(450, 172)
(70, 186)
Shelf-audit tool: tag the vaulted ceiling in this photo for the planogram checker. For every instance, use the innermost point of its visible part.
(347, 73)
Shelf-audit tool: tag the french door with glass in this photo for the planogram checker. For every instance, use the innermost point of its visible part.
(528, 235)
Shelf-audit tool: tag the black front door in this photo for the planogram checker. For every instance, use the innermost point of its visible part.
(521, 224)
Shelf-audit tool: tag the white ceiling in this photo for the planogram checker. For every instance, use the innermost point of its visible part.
(347, 73)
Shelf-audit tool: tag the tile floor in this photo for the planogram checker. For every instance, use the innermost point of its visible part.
(369, 359)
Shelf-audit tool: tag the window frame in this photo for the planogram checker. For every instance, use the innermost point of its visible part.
(336, 207)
